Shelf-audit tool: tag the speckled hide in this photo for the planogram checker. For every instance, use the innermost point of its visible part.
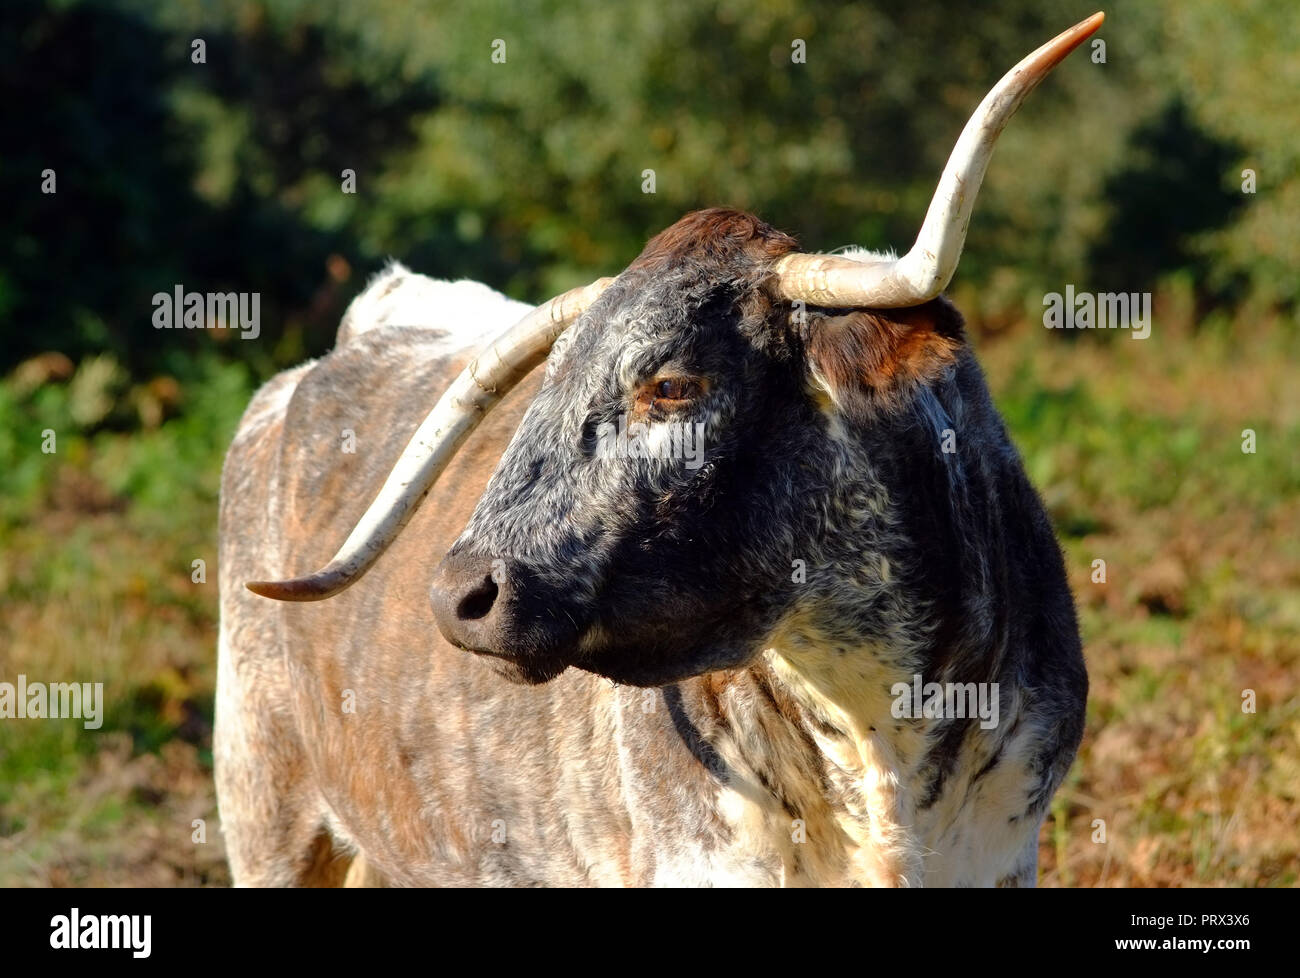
(692, 674)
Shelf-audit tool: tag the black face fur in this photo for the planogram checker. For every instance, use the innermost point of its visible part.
(649, 570)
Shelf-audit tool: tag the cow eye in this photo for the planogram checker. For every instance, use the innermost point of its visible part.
(677, 389)
(670, 393)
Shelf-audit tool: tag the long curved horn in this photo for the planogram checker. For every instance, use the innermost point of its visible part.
(925, 271)
(487, 379)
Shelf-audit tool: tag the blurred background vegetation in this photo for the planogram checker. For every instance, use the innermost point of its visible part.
(226, 176)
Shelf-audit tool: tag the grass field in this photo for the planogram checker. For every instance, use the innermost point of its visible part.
(1135, 445)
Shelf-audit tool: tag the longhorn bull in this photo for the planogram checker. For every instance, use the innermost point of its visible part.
(682, 674)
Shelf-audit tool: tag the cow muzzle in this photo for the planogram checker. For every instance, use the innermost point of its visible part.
(499, 607)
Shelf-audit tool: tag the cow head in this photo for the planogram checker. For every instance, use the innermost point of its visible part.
(721, 411)
(677, 467)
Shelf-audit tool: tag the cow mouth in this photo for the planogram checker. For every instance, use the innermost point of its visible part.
(529, 670)
(531, 667)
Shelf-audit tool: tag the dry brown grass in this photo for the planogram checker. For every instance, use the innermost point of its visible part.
(1201, 602)
(1136, 448)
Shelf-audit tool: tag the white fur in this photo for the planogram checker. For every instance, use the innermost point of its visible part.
(467, 312)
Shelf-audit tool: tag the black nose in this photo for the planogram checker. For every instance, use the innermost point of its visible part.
(499, 606)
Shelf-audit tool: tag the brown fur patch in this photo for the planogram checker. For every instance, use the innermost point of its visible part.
(323, 865)
(873, 357)
(718, 234)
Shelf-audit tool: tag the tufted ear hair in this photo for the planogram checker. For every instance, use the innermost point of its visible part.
(869, 360)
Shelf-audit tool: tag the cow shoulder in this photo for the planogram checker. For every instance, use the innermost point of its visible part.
(463, 311)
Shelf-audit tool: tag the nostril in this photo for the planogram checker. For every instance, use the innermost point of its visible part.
(479, 601)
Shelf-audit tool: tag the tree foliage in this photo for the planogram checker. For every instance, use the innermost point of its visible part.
(528, 169)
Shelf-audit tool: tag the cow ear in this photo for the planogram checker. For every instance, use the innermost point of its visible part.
(871, 359)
